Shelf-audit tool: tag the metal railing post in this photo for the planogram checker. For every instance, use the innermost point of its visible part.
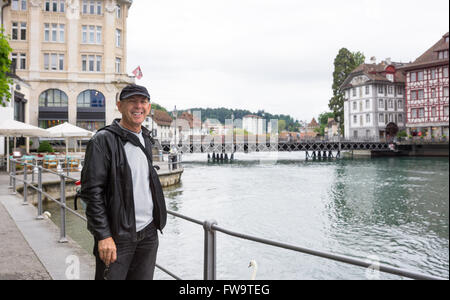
(39, 194)
(14, 178)
(209, 264)
(63, 238)
(25, 185)
(10, 174)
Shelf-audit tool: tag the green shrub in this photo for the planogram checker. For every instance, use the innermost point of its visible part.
(45, 146)
(402, 133)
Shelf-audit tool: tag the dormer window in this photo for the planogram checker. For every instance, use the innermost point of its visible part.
(390, 77)
(446, 39)
(443, 54)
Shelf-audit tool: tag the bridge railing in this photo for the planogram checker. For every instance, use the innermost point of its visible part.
(210, 228)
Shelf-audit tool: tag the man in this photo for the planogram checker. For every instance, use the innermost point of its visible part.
(124, 197)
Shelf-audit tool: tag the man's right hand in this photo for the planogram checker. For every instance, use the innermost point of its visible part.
(107, 251)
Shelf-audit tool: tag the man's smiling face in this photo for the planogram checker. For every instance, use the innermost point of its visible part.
(134, 110)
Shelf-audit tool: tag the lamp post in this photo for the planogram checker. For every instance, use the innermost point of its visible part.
(153, 115)
(175, 116)
(338, 118)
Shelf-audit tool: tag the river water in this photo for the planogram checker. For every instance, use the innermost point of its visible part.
(395, 210)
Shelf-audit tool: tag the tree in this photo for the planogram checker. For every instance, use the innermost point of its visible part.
(323, 122)
(5, 63)
(344, 63)
(281, 125)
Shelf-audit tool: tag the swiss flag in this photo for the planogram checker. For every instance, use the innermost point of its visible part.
(138, 72)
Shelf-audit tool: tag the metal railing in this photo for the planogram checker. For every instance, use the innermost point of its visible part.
(210, 231)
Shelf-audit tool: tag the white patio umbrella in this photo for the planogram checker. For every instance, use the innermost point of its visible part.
(13, 128)
(67, 130)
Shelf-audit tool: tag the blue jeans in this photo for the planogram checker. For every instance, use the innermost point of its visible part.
(135, 260)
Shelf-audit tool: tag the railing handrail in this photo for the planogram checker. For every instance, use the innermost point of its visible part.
(210, 228)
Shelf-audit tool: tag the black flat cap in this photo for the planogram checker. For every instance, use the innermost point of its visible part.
(132, 90)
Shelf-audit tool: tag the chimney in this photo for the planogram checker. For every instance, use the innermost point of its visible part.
(373, 60)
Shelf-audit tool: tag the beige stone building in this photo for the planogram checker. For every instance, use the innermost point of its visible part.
(73, 56)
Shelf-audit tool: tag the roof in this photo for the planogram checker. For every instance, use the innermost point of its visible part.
(162, 118)
(188, 117)
(253, 116)
(313, 123)
(376, 72)
(430, 57)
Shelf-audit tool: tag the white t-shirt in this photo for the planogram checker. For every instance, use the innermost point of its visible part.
(143, 203)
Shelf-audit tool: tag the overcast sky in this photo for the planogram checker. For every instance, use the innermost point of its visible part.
(275, 55)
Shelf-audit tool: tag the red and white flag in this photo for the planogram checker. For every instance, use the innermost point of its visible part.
(138, 73)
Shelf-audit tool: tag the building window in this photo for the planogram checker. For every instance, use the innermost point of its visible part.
(98, 59)
(443, 54)
(354, 105)
(23, 61)
(19, 31)
(355, 133)
(118, 11)
(367, 118)
(445, 91)
(400, 90)
(118, 65)
(445, 72)
(380, 118)
(367, 89)
(420, 75)
(99, 7)
(85, 5)
(433, 93)
(367, 104)
(380, 103)
(421, 112)
(54, 32)
(413, 95)
(53, 98)
(413, 77)
(433, 111)
(46, 32)
(19, 61)
(55, 6)
(400, 104)
(91, 34)
(53, 61)
(390, 90)
(92, 7)
(61, 33)
(414, 113)
(91, 63)
(15, 5)
(400, 118)
(118, 38)
(391, 103)
(433, 74)
(420, 94)
(446, 111)
(355, 119)
(91, 98)
(380, 89)
(15, 31)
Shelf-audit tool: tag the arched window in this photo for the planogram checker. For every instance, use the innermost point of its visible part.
(53, 98)
(91, 98)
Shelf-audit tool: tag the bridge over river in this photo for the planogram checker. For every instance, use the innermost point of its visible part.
(312, 147)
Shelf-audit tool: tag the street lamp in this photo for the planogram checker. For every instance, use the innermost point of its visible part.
(153, 115)
(175, 116)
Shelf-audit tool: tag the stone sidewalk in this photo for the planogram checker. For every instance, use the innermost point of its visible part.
(29, 248)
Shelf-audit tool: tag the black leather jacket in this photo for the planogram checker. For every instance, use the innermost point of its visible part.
(107, 188)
